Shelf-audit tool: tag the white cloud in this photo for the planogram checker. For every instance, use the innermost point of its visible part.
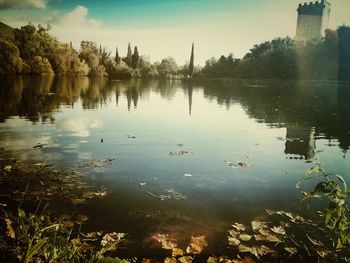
(77, 19)
(5, 4)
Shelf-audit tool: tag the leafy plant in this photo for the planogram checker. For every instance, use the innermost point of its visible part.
(34, 238)
(335, 189)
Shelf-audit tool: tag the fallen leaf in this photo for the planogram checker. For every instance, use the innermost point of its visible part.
(233, 233)
(245, 237)
(9, 230)
(212, 260)
(233, 241)
(270, 238)
(111, 238)
(185, 259)
(66, 220)
(238, 227)
(8, 168)
(170, 260)
(78, 201)
(177, 252)
(314, 242)
(188, 175)
(291, 250)
(270, 212)
(278, 230)
(323, 253)
(256, 225)
(197, 244)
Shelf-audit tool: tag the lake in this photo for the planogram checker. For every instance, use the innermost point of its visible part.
(191, 157)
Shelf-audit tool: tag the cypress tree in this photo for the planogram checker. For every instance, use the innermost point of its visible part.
(117, 58)
(191, 66)
(129, 56)
(135, 58)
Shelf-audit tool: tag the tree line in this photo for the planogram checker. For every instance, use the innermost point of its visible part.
(32, 50)
(284, 58)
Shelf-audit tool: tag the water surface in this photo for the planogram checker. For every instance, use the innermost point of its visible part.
(275, 127)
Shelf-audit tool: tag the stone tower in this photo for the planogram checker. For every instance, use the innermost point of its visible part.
(313, 19)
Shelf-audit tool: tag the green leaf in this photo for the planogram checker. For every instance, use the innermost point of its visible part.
(312, 170)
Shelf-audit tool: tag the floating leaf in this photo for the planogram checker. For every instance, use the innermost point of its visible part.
(188, 175)
(245, 237)
(278, 230)
(142, 184)
(9, 230)
(291, 250)
(197, 244)
(238, 227)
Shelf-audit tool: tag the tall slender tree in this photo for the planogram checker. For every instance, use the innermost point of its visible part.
(117, 57)
(135, 58)
(191, 66)
(128, 59)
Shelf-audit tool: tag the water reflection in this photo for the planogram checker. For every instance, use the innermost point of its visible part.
(308, 111)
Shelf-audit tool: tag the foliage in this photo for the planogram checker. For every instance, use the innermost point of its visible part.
(10, 61)
(335, 189)
(167, 67)
(135, 58)
(191, 66)
(34, 238)
(40, 66)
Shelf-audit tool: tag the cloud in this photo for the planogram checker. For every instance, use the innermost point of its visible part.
(8, 4)
(77, 19)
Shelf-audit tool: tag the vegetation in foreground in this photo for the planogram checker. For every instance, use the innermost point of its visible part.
(39, 237)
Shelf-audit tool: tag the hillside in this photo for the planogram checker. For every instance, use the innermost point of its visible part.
(5, 30)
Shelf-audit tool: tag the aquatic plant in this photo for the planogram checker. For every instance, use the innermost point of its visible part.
(334, 188)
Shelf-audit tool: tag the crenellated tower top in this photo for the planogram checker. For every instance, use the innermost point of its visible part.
(313, 19)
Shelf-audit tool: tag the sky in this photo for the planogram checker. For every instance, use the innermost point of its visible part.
(162, 28)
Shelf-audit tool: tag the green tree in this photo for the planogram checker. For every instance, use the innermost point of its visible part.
(10, 61)
(135, 58)
(128, 59)
(117, 58)
(40, 66)
(167, 67)
(191, 66)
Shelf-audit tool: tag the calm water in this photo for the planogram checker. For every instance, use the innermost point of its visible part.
(276, 127)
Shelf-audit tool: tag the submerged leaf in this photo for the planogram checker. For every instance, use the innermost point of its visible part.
(238, 227)
(197, 244)
(278, 230)
(270, 212)
(233, 241)
(245, 237)
(185, 259)
(314, 242)
(257, 225)
(9, 230)
(177, 252)
(291, 250)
